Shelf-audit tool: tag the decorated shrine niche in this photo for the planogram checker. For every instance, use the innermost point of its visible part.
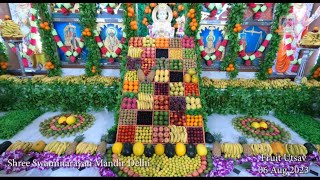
(259, 11)
(252, 41)
(215, 11)
(213, 42)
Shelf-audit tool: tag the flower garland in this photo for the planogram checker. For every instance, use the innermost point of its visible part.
(32, 41)
(65, 7)
(217, 53)
(259, 9)
(105, 52)
(214, 7)
(222, 166)
(110, 7)
(71, 54)
(256, 54)
(281, 9)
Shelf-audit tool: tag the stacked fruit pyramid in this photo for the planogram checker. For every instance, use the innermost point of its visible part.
(161, 99)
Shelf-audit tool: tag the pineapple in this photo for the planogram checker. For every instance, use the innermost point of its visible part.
(151, 75)
(246, 148)
(140, 74)
(72, 148)
(103, 145)
(216, 151)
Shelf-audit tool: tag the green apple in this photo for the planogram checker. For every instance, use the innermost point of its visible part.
(181, 93)
(176, 93)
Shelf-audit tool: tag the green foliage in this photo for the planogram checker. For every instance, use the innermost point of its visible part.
(87, 19)
(282, 9)
(66, 96)
(3, 57)
(254, 101)
(48, 44)
(304, 125)
(15, 121)
(142, 29)
(235, 17)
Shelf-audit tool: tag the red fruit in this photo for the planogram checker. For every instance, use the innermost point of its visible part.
(155, 129)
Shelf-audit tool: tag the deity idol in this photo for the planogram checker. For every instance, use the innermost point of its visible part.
(111, 42)
(181, 21)
(161, 22)
(70, 38)
(210, 43)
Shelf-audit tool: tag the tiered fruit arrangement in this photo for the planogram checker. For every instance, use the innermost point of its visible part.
(175, 43)
(176, 65)
(162, 76)
(161, 89)
(176, 89)
(144, 134)
(178, 134)
(126, 133)
(9, 29)
(260, 129)
(131, 84)
(127, 117)
(161, 118)
(135, 52)
(161, 134)
(191, 89)
(175, 53)
(232, 150)
(145, 101)
(161, 103)
(296, 149)
(166, 67)
(66, 125)
(162, 63)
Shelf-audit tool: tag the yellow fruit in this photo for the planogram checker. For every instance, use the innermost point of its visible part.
(201, 150)
(187, 78)
(195, 79)
(62, 119)
(71, 120)
(159, 149)
(192, 72)
(38, 146)
(255, 125)
(117, 148)
(180, 149)
(138, 149)
(263, 125)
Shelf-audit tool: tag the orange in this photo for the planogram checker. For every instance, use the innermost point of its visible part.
(149, 11)
(193, 28)
(130, 87)
(88, 33)
(135, 27)
(4, 66)
(6, 17)
(49, 63)
(47, 28)
(232, 69)
(133, 23)
(42, 25)
(146, 23)
(188, 14)
(86, 29)
(47, 67)
(84, 33)
(46, 23)
(93, 71)
(194, 20)
(126, 82)
(175, 14)
(191, 15)
(316, 29)
(146, 11)
(195, 24)
(126, 87)
(237, 25)
(93, 67)
(130, 14)
(135, 88)
(239, 28)
(192, 11)
(130, 10)
(136, 83)
(231, 65)
(191, 24)
(228, 69)
(52, 66)
(130, 83)
(235, 30)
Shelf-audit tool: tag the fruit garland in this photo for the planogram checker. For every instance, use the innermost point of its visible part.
(48, 43)
(3, 59)
(259, 9)
(88, 12)
(315, 72)
(71, 54)
(65, 7)
(104, 51)
(32, 41)
(256, 54)
(234, 21)
(281, 9)
(216, 54)
(110, 7)
(214, 7)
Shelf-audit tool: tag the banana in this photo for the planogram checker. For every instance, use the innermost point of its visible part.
(287, 150)
(171, 137)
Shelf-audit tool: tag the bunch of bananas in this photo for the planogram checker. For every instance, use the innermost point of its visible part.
(131, 76)
(135, 52)
(57, 147)
(311, 39)
(312, 83)
(318, 147)
(261, 149)
(296, 149)
(19, 145)
(10, 29)
(178, 134)
(145, 101)
(86, 148)
(231, 150)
